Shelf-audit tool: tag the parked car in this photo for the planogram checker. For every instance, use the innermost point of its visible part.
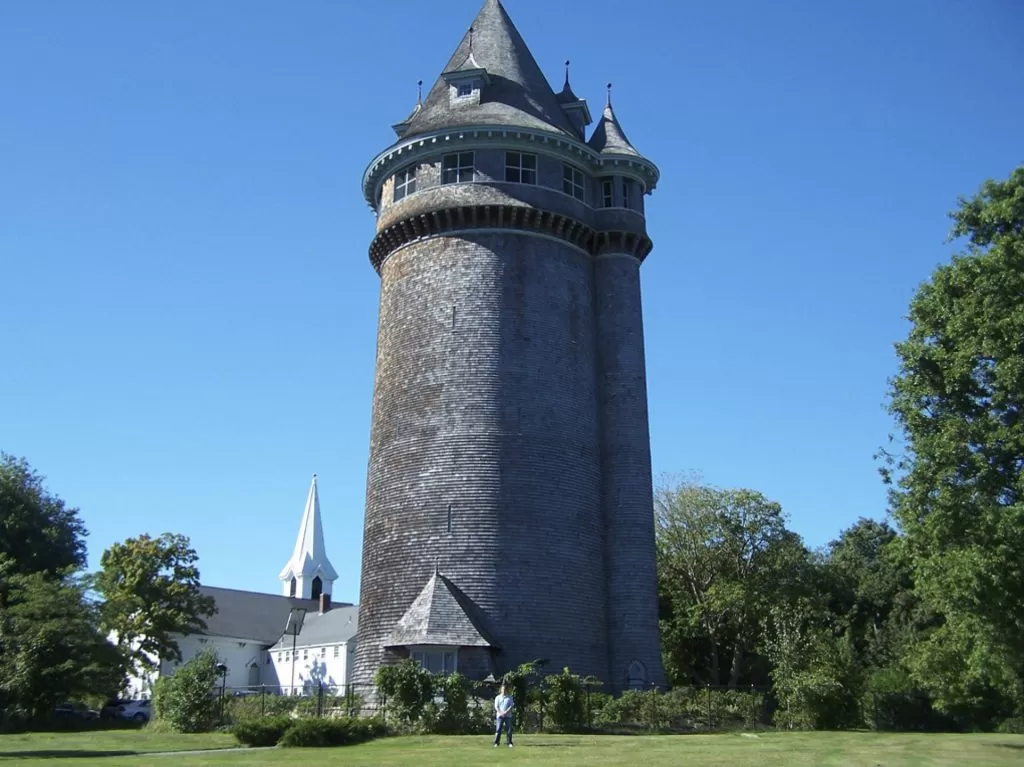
(74, 711)
(112, 708)
(136, 710)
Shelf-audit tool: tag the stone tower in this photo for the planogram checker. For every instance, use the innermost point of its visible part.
(509, 502)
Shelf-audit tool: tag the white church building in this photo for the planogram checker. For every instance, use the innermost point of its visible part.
(290, 643)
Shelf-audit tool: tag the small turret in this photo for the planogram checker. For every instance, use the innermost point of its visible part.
(609, 138)
(575, 107)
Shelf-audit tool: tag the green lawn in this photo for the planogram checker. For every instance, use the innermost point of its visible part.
(721, 750)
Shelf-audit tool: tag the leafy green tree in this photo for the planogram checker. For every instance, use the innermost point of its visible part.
(724, 557)
(39, 533)
(958, 492)
(150, 588)
(51, 648)
(186, 700)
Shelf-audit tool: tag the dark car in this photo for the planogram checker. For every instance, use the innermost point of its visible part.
(112, 708)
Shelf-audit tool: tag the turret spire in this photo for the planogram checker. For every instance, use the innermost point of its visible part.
(309, 563)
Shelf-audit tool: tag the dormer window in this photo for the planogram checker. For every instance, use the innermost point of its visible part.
(464, 90)
(405, 183)
(457, 168)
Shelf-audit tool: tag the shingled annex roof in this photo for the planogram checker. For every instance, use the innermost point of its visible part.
(250, 615)
(518, 94)
(337, 625)
(609, 137)
(440, 615)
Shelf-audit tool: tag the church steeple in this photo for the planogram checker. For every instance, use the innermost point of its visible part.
(309, 573)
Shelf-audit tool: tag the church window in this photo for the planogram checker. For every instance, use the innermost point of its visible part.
(520, 168)
(457, 168)
(436, 660)
(607, 193)
(291, 588)
(405, 182)
(572, 182)
(316, 588)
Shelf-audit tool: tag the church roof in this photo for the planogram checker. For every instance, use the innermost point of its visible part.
(251, 615)
(440, 615)
(309, 555)
(608, 136)
(518, 94)
(337, 625)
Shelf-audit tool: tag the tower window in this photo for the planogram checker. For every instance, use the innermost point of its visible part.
(317, 588)
(291, 588)
(625, 193)
(608, 193)
(520, 168)
(457, 168)
(572, 182)
(405, 182)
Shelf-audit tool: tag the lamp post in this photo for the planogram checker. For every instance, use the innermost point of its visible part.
(223, 671)
(294, 625)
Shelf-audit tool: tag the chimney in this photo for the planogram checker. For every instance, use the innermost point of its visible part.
(325, 603)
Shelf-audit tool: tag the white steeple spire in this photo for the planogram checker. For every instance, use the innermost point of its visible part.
(309, 561)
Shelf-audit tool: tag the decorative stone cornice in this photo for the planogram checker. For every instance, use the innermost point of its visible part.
(508, 218)
(491, 136)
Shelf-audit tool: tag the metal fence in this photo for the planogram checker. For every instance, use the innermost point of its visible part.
(652, 709)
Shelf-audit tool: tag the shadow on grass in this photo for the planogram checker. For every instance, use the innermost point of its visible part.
(1014, 746)
(64, 753)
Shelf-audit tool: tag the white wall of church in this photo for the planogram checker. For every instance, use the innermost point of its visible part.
(329, 664)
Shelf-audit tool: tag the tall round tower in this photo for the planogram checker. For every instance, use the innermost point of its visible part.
(509, 506)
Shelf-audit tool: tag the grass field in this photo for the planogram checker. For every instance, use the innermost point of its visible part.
(817, 749)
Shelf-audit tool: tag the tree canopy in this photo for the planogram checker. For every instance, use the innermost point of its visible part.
(39, 533)
(958, 492)
(150, 589)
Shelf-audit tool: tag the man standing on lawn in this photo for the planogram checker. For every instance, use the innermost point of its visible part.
(503, 705)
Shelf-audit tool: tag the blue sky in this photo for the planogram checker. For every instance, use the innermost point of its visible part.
(188, 310)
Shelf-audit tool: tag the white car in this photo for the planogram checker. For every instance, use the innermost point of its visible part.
(136, 710)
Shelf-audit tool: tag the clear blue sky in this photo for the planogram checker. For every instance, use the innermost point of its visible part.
(189, 315)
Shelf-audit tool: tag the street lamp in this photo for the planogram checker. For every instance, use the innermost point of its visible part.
(294, 625)
(223, 671)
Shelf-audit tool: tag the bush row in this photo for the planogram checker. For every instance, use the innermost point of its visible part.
(307, 733)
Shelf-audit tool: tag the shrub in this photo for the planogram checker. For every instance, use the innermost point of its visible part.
(342, 731)
(407, 689)
(1011, 726)
(452, 716)
(185, 700)
(262, 732)
(567, 704)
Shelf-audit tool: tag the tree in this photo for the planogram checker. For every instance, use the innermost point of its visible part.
(958, 491)
(724, 556)
(38, 532)
(150, 588)
(51, 648)
(186, 700)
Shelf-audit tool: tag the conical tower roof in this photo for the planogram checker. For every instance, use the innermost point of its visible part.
(517, 94)
(608, 136)
(310, 554)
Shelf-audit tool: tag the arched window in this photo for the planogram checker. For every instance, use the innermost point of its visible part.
(291, 590)
(318, 587)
